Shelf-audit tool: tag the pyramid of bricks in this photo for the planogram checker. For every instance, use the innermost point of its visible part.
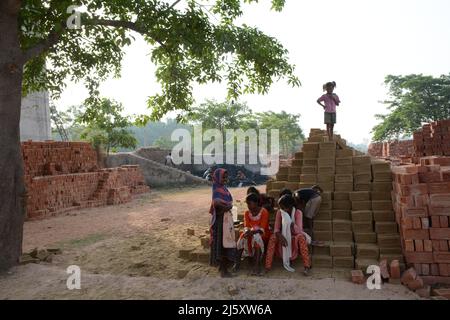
(356, 220)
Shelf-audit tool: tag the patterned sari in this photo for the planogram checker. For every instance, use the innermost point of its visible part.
(220, 194)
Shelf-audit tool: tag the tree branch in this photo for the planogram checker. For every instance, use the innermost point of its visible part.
(53, 37)
(122, 24)
(174, 4)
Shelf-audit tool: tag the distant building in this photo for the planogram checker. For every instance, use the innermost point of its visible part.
(35, 118)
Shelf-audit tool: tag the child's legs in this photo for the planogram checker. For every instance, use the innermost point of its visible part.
(304, 252)
(271, 246)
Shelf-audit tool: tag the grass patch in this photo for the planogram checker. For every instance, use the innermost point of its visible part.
(90, 239)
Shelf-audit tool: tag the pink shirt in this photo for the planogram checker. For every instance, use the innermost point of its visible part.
(330, 102)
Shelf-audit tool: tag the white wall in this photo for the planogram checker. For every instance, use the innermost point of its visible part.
(35, 118)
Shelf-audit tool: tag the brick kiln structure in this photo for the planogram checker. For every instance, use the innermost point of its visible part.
(63, 176)
(356, 218)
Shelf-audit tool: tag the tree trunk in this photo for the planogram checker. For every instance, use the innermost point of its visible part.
(12, 190)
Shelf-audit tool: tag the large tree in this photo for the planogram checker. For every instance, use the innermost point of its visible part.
(413, 100)
(190, 42)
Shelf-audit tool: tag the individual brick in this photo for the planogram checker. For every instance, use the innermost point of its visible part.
(323, 235)
(386, 227)
(414, 212)
(322, 250)
(342, 205)
(381, 186)
(342, 236)
(409, 245)
(444, 270)
(344, 169)
(343, 186)
(342, 225)
(441, 257)
(382, 176)
(341, 249)
(359, 196)
(309, 170)
(418, 257)
(383, 216)
(364, 215)
(384, 269)
(369, 251)
(427, 246)
(322, 261)
(326, 162)
(418, 245)
(358, 277)
(308, 178)
(362, 226)
(339, 195)
(380, 196)
(325, 178)
(439, 187)
(388, 240)
(344, 262)
(323, 225)
(361, 205)
(440, 200)
(310, 146)
(381, 166)
(439, 233)
(420, 234)
(361, 177)
(394, 269)
(344, 161)
(434, 211)
(443, 221)
(391, 251)
(341, 215)
(327, 154)
(362, 186)
(409, 276)
(365, 237)
(361, 160)
(295, 171)
(381, 205)
(443, 246)
(344, 153)
(323, 215)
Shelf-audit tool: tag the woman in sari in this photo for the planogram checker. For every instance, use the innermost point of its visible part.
(223, 242)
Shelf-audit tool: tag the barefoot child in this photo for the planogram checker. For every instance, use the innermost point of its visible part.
(256, 233)
(330, 101)
(289, 239)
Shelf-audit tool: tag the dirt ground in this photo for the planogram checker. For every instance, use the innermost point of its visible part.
(131, 252)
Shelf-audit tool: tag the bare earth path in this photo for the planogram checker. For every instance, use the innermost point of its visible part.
(131, 252)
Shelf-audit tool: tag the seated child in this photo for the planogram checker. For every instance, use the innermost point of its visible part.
(256, 233)
(289, 239)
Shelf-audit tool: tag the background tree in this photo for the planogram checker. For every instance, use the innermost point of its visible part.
(38, 51)
(413, 100)
(222, 116)
(291, 134)
(106, 126)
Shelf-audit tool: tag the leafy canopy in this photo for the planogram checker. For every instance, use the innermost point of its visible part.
(413, 100)
(107, 127)
(190, 42)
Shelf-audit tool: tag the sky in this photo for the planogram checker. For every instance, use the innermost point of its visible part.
(353, 42)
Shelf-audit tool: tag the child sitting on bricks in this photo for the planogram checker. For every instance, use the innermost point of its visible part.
(256, 233)
(289, 240)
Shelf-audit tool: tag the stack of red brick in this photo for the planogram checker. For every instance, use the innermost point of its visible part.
(433, 139)
(421, 197)
(393, 149)
(62, 176)
(54, 157)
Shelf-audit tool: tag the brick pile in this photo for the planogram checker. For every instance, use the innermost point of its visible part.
(356, 218)
(433, 139)
(54, 157)
(392, 149)
(63, 176)
(421, 199)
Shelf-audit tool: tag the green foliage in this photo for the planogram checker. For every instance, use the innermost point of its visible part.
(195, 43)
(291, 135)
(413, 100)
(225, 115)
(222, 115)
(105, 126)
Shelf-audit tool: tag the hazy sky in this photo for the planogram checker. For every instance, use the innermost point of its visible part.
(353, 42)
